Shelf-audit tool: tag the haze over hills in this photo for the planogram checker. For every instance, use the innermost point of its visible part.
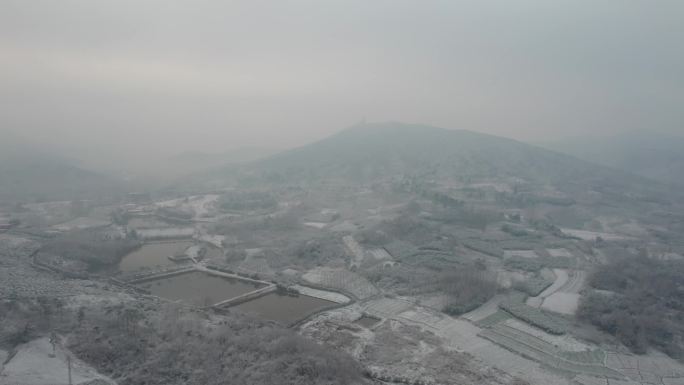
(192, 161)
(34, 173)
(650, 154)
(372, 152)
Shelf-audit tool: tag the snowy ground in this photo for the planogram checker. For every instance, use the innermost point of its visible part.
(566, 342)
(34, 364)
(490, 307)
(81, 223)
(315, 225)
(322, 294)
(560, 253)
(356, 252)
(380, 254)
(172, 232)
(563, 295)
(520, 253)
(216, 240)
(592, 235)
(561, 279)
(202, 206)
(341, 279)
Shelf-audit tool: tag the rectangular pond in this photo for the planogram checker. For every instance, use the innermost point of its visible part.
(153, 255)
(198, 288)
(282, 307)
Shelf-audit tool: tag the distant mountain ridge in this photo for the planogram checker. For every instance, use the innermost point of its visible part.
(371, 152)
(30, 173)
(652, 155)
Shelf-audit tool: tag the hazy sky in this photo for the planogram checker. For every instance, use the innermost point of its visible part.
(214, 75)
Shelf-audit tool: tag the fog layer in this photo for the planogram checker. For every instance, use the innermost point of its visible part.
(154, 78)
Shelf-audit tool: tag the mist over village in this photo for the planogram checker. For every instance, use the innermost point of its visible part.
(344, 192)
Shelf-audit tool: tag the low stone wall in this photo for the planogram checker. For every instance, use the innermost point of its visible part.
(161, 275)
(247, 297)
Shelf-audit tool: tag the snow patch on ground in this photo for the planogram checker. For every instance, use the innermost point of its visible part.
(564, 303)
(380, 254)
(315, 225)
(560, 253)
(565, 342)
(3, 357)
(216, 240)
(173, 232)
(322, 294)
(592, 235)
(341, 279)
(520, 253)
(200, 205)
(561, 279)
(81, 223)
(35, 364)
(355, 250)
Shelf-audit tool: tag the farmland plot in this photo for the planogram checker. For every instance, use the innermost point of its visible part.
(575, 282)
(255, 265)
(386, 307)
(341, 279)
(652, 368)
(561, 279)
(541, 351)
(380, 254)
(563, 299)
(493, 319)
(463, 336)
(356, 252)
(593, 235)
(545, 321)
(566, 342)
(563, 303)
(460, 335)
(488, 309)
(167, 233)
(560, 252)
(520, 253)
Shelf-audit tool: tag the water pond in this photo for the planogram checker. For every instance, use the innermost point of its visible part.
(282, 307)
(199, 288)
(153, 255)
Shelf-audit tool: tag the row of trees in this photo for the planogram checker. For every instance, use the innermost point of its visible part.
(167, 344)
(91, 247)
(467, 288)
(642, 303)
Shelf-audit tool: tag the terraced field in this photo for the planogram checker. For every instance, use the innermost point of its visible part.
(541, 319)
(494, 319)
(255, 265)
(538, 350)
(653, 368)
(341, 279)
(386, 307)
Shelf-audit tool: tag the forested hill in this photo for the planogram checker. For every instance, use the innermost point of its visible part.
(375, 152)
